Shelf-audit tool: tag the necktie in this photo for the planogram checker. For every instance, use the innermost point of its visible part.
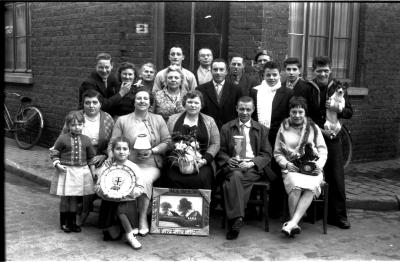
(219, 87)
(243, 152)
(105, 83)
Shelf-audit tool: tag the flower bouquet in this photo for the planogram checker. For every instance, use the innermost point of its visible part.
(185, 153)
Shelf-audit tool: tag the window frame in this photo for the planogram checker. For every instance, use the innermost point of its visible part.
(354, 17)
(159, 38)
(14, 75)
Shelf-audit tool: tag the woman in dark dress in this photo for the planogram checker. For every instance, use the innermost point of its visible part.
(197, 127)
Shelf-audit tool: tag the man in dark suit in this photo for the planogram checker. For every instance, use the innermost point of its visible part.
(238, 76)
(272, 107)
(240, 174)
(105, 83)
(220, 96)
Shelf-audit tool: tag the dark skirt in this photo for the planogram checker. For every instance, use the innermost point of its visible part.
(109, 211)
(202, 180)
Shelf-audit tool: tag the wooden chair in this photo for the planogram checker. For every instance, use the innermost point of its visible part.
(260, 190)
(323, 198)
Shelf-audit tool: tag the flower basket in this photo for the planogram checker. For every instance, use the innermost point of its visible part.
(185, 154)
(187, 167)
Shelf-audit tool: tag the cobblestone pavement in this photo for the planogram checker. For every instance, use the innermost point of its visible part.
(32, 233)
(370, 186)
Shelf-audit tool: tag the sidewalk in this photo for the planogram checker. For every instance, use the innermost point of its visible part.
(369, 186)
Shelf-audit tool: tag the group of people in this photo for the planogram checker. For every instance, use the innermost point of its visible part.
(281, 125)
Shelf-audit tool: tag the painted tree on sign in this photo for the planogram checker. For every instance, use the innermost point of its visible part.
(184, 206)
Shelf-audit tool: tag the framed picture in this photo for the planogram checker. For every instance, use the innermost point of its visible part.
(180, 211)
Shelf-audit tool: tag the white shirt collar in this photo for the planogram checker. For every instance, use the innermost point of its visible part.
(215, 83)
(247, 124)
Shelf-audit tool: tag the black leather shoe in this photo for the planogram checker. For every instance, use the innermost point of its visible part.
(341, 223)
(237, 224)
(234, 230)
(232, 234)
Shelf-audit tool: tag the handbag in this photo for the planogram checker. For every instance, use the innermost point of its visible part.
(308, 168)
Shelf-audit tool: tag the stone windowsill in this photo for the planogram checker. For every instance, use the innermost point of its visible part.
(357, 91)
(22, 78)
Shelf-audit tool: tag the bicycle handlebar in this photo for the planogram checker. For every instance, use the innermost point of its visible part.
(12, 93)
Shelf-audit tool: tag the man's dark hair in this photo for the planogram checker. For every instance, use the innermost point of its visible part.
(220, 60)
(202, 48)
(103, 56)
(321, 61)
(235, 55)
(272, 65)
(245, 99)
(260, 54)
(177, 46)
(291, 61)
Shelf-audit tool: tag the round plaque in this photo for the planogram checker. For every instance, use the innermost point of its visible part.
(117, 182)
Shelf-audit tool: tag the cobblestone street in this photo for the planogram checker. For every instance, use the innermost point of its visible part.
(32, 232)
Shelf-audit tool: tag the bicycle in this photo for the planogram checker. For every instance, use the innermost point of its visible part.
(27, 124)
(347, 145)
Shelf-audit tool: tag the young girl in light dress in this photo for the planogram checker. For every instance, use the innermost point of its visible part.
(122, 211)
(71, 156)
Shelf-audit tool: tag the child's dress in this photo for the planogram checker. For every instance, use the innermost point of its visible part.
(109, 210)
(74, 151)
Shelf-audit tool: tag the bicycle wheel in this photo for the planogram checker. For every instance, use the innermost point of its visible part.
(28, 127)
(347, 146)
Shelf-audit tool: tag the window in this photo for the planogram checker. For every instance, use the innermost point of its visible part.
(328, 29)
(17, 42)
(194, 25)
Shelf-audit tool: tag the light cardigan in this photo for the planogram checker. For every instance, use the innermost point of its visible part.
(288, 139)
(159, 135)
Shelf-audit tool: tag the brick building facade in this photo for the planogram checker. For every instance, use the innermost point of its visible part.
(67, 36)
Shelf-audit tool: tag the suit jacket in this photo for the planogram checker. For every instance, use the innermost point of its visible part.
(259, 144)
(225, 110)
(110, 94)
(299, 88)
(246, 83)
(280, 109)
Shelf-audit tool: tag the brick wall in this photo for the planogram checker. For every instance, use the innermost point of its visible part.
(67, 36)
(258, 26)
(66, 39)
(376, 122)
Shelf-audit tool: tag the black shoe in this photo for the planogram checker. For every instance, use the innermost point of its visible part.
(237, 223)
(107, 236)
(234, 230)
(341, 223)
(72, 222)
(75, 228)
(232, 234)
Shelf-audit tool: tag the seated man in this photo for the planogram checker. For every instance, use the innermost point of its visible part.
(241, 174)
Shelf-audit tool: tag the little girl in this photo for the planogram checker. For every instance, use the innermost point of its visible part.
(120, 211)
(71, 156)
